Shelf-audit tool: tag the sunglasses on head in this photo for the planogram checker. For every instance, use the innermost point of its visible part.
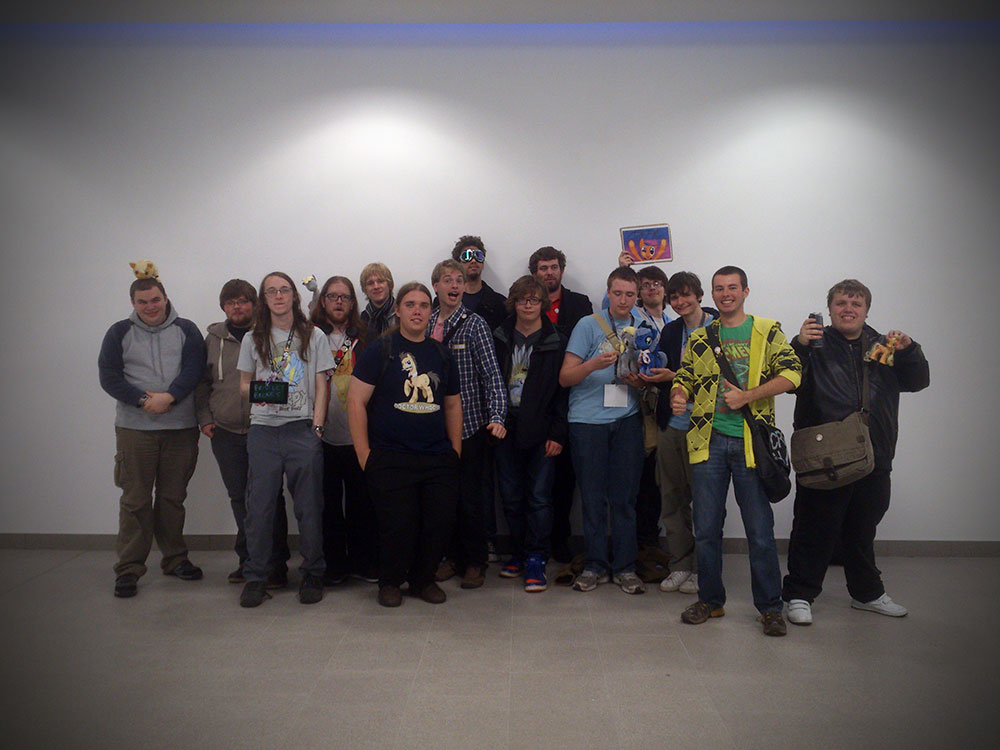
(472, 253)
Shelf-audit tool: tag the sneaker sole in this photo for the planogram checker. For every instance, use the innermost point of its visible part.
(533, 588)
(866, 608)
(511, 574)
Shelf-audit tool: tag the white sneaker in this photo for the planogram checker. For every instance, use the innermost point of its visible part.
(690, 586)
(673, 581)
(799, 612)
(883, 605)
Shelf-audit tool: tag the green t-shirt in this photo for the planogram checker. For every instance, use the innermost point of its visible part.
(736, 347)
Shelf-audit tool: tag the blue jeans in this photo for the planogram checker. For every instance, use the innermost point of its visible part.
(608, 461)
(525, 477)
(709, 488)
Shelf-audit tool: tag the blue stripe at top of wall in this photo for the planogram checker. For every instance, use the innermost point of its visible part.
(514, 34)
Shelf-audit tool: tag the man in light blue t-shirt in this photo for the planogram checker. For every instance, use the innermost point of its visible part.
(605, 432)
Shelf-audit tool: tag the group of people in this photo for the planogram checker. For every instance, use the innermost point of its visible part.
(396, 426)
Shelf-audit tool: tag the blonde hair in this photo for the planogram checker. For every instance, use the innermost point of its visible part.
(376, 269)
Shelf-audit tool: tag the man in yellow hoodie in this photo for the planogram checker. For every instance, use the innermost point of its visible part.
(720, 444)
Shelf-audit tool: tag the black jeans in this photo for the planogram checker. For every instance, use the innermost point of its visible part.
(468, 542)
(824, 517)
(415, 497)
(563, 487)
(647, 505)
(350, 536)
(230, 450)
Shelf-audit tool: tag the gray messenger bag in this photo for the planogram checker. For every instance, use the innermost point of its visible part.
(834, 454)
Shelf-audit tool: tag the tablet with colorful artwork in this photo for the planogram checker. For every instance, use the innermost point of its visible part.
(649, 243)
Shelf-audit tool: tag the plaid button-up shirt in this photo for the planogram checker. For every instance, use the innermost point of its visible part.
(484, 398)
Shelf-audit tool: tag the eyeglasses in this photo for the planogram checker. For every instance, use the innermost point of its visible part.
(338, 297)
(284, 291)
(236, 302)
(651, 285)
(471, 253)
(529, 301)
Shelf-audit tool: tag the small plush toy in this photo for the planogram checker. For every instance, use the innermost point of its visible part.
(884, 354)
(145, 269)
(628, 357)
(648, 358)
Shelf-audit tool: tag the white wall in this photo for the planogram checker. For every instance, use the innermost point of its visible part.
(805, 153)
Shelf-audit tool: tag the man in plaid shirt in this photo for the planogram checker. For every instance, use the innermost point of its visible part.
(484, 409)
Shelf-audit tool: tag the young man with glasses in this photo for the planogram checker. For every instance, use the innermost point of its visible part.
(150, 364)
(530, 350)
(286, 360)
(224, 417)
(566, 307)
(350, 537)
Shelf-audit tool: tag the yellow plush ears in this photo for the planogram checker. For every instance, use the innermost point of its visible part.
(145, 269)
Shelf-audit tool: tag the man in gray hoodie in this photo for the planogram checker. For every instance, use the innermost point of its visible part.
(150, 364)
(224, 416)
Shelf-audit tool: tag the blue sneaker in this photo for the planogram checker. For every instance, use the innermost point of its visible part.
(513, 568)
(534, 574)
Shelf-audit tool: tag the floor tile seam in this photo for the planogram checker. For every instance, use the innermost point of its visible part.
(39, 574)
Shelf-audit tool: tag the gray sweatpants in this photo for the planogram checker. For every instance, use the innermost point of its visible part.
(294, 452)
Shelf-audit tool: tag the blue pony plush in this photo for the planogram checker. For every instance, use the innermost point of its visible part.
(648, 358)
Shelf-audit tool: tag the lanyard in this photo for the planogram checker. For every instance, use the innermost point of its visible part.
(276, 369)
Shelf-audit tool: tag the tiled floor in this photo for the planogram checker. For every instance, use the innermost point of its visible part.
(182, 666)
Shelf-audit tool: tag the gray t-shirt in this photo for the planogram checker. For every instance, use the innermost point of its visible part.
(337, 431)
(300, 376)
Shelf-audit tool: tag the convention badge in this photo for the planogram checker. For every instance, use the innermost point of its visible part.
(268, 392)
(882, 351)
(615, 395)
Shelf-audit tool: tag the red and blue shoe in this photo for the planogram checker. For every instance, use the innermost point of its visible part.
(513, 568)
(534, 574)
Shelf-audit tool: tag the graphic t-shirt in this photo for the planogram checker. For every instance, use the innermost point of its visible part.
(520, 358)
(343, 351)
(406, 410)
(736, 347)
(300, 376)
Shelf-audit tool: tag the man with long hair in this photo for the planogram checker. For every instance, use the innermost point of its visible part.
(350, 543)
(287, 359)
(224, 417)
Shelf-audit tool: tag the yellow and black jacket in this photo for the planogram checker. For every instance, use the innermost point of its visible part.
(770, 356)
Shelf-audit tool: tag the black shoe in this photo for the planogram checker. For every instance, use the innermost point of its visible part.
(276, 579)
(253, 594)
(389, 595)
(368, 576)
(432, 594)
(126, 585)
(237, 575)
(311, 589)
(186, 571)
(334, 579)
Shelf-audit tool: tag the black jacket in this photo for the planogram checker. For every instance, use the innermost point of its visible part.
(831, 387)
(492, 307)
(544, 407)
(572, 307)
(671, 339)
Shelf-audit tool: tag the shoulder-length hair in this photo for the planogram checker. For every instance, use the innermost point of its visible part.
(320, 318)
(301, 326)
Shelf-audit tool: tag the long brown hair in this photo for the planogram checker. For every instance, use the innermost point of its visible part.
(262, 321)
(320, 318)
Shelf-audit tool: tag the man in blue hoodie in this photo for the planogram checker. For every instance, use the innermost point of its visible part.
(150, 364)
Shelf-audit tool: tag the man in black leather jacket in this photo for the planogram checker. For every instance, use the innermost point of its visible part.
(830, 391)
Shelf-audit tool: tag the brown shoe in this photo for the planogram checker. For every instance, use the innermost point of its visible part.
(389, 595)
(700, 612)
(774, 624)
(445, 571)
(474, 577)
(432, 594)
